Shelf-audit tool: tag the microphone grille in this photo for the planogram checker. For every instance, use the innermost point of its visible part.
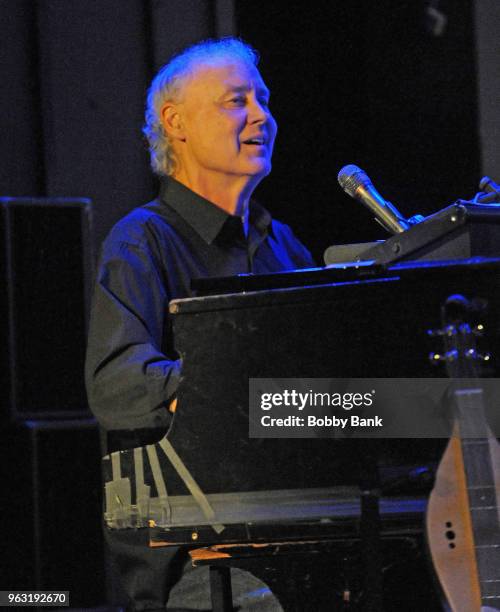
(351, 177)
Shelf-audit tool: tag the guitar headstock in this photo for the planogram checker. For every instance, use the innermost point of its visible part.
(461, 327)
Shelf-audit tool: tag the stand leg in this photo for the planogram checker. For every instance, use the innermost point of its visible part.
(220, 589)
(370, 547)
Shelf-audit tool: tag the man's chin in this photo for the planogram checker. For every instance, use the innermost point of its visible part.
(261, 168)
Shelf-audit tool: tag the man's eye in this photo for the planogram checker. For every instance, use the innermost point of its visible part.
(237, 100)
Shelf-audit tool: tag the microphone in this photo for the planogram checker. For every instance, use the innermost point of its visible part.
(358, 185)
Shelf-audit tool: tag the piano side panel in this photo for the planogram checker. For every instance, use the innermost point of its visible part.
(363, 329)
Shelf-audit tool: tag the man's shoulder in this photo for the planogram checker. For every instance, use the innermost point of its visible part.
(288, 241)
(282, 231)
(138, 227)
(279, 226)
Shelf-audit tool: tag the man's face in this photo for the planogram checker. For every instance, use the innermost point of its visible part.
(228, 128)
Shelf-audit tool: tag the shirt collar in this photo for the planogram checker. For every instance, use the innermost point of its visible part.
(203, 216)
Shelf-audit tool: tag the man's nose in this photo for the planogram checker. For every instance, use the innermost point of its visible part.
(259, 112)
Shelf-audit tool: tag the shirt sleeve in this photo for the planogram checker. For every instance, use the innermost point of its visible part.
(129, 378)
(286, 242)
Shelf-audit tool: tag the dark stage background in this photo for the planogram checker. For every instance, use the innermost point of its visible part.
(373, 86)
(403, 88)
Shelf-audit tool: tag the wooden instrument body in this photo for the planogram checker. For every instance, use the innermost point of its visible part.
(449, 529)
(463, 514)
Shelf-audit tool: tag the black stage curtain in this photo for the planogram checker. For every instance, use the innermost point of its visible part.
(74, 76)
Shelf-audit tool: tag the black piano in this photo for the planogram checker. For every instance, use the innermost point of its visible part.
(207, 483)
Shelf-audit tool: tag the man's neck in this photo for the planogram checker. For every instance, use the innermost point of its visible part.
(227, 193)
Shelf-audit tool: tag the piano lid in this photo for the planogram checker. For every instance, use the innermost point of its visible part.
(337, 273)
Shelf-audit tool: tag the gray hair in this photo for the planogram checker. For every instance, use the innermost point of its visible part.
(167, 85)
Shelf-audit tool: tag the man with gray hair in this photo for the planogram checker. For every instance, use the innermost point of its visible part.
(211, 136)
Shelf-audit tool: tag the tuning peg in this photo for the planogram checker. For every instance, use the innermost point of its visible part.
(449, 330)
(473, 354)
(435, 332)
(439, 357)
(478, 330)
(436, 358)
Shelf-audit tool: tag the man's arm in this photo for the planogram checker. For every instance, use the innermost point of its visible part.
(129, 379)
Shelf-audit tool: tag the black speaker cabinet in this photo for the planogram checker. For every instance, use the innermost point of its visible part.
(51, 509)
(45, 267)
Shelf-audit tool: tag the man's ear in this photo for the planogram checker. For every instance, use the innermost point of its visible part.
(171, 120)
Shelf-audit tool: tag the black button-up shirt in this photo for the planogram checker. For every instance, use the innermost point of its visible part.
(148, 259)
